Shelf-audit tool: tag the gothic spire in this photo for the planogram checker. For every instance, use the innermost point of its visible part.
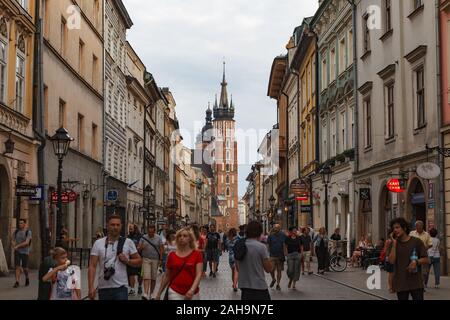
(224, 94)
(216, 106)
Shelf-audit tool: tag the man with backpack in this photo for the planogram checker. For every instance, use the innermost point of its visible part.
(151, 248)
(253, 260)
(112, 254)
(21, 242)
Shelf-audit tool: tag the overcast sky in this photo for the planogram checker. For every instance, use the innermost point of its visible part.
(183, 44)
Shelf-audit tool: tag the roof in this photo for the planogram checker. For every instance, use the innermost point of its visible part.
(124, 13)
(277, 74)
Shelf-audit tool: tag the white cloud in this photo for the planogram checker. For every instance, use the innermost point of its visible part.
(183, 43)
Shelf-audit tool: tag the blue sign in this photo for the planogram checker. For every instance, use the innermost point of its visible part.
(112, 195)
(39, 194)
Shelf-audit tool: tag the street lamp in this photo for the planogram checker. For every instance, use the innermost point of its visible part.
(61, 143)
(9, 144)
(272, 201)
(148, 198)
(326, 173)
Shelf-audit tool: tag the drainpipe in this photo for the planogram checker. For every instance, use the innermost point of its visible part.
(351, 235)
(440, 225)
(39, 130)
(295, 73)
(286, 193)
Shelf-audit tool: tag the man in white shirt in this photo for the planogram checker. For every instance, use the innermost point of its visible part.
(421, 234)
(112, 254)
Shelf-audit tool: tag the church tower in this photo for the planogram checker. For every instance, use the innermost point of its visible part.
(226, 161)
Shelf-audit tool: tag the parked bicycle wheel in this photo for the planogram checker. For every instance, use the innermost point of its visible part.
(338, 263)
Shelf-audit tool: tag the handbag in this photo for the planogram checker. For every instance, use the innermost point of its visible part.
(166, 294)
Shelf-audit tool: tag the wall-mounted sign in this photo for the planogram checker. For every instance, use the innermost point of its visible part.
(431, 191)
(300, 189)
(39, 194)
(364, 194)
(306, 209)
(428, 170)
(26, 191)
(396, 185)
(66, 197)
(112, 195)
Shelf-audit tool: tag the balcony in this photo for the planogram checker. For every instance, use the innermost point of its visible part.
(13, 119)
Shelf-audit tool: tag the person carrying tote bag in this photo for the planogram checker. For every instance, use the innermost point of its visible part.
(184, 270)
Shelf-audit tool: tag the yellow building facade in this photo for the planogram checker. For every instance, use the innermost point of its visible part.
(17, 166)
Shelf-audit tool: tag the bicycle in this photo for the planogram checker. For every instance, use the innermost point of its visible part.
(337, 262)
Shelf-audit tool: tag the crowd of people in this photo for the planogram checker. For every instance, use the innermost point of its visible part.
(180, 260)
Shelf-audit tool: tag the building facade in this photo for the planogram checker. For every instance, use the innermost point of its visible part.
(332, 24)
(72, 56)
(116, 23)
(17, 36)
(137, 100)
(398, 116)
(445, 114)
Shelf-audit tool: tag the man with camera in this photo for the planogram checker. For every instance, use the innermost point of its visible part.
(113, 254)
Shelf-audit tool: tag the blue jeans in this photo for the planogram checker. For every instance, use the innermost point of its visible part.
(113, 294)
(436, 264)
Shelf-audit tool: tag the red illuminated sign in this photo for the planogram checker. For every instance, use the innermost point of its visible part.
(66, 197)
(396, 186)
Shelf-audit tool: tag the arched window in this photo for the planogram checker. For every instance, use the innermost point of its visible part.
(130, 145)
(228, 179)
(228, 192)
(20, 73)
(3, 58)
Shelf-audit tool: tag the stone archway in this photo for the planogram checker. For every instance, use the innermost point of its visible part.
(5, 210)
(385, 211)
(416, 202)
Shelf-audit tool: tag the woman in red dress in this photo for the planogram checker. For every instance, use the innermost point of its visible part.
(183, 270)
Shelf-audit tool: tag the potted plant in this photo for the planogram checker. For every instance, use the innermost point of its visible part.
(340, 158)
(350, 154)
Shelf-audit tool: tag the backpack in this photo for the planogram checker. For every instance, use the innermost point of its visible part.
(240, 249)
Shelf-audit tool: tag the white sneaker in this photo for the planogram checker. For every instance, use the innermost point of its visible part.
(132, 292)
(436, 287)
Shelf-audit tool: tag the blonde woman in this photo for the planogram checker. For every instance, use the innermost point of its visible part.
(184, 269)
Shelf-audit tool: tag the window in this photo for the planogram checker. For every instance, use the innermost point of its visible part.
(3, 59)
(62, 113)
(343, 130)
(366, 34)
(324, 73)
(130, 145)
(45, 107)
(368, 122)
(388, 15)
(342, 56)
(24, 4)
(80, 132)
(94, 141)
(63, 39)
(324, 142)
(228, 179)
(80, 57)
(96, 12)
(333, 64)
(94, 71)
(417, 4)
(352, 123)
(420, 97)
(45, 18)
(390, 128)
(350, 48)
(228, 192)
(333, 136)
(20, 81)
(228, 167)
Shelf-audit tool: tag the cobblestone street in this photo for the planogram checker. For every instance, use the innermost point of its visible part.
(349, 285)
